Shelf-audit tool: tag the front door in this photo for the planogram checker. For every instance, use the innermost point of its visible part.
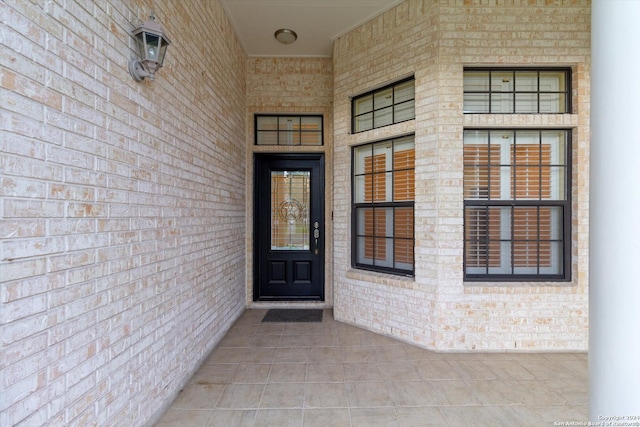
(288, 227)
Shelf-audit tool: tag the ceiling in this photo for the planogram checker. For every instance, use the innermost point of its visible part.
(317, 22)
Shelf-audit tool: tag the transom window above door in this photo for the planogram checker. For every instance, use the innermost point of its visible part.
(517, 91)
(288, 129)
(389, 105)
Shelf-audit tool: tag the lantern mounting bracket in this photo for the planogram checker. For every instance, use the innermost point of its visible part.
(137, 71)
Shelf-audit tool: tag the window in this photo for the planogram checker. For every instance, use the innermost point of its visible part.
(517, 209)
(383, 205)
(288, 130)
(391, 104)
(517, 91)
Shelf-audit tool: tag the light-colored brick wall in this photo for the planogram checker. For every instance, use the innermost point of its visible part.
(122, 213)
(434, 40)
(290, 86)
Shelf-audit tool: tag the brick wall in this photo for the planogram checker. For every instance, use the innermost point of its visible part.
(434, 40)
(122, 214)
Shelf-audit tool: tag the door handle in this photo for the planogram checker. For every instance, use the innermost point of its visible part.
(316, 234)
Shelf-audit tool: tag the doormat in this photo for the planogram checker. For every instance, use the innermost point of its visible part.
(288, 315)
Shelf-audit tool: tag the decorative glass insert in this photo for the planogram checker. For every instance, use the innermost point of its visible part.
(386, 106)
(517, 91)
(383, 195)
(517, 204)
(290, 210)
(288, 130)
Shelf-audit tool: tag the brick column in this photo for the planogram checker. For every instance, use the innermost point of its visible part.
(614, 295)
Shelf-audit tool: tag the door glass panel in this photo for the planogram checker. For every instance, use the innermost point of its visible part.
(290, 210)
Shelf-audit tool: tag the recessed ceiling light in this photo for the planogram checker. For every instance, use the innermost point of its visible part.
(285, 36)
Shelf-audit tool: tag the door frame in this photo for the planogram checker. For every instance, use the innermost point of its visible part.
(260, 159)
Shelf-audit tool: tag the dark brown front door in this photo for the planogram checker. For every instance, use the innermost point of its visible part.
(289, 227)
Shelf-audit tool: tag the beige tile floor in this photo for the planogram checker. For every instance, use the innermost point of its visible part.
(333, 374)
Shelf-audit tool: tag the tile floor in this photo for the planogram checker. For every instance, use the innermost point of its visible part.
(333, 374)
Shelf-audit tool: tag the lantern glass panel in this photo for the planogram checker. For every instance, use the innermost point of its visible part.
(163, 50)
(152, 48)
(140, 44)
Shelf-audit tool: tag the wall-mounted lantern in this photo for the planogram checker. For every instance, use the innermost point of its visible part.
(152, 45)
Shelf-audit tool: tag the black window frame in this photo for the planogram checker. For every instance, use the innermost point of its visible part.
(565, 204)
(280, 133)
(355, 207)
(566, 92)
(373, 93)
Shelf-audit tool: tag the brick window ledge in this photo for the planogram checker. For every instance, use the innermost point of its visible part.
(406, 282)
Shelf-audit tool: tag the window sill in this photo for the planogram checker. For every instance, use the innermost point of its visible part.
(522, 284)
(405, 282)
(391, 131)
